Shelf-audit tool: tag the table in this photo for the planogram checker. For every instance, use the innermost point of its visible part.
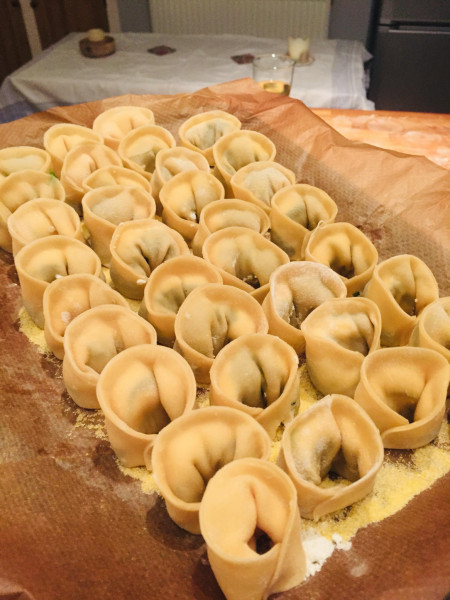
(62, 75)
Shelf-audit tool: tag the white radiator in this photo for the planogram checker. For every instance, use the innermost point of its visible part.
(262, 18)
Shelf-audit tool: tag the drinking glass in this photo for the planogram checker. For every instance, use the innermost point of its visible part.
(274, 72)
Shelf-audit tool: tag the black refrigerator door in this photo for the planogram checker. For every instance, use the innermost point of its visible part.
(411, 68)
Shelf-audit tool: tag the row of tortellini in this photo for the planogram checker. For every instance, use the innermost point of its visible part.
(291, 275)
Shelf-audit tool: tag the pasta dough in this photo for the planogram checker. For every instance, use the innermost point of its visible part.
(404, 391)
(258, 374)
(251, 525)
(210, 317)
(339, 333)
(92, 339)
(295, 290)
(401, 286)
(140, 391)
(138, 247)
(167, 288)
(334, 437)
(192, 448)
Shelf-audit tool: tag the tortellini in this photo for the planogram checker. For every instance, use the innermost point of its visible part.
(333, 439)
(346, 250)
(339, 334)
(191, 449)
(67, 297)
(402, 286)
(167, 288)
(91, 340)
(60, 138)
(238, 149)
(184, 198)
(113, 124)
(138, 149)
(116, 175)
(20, 158)
(258, 182)
(40, 218)
(295, 211)
(432, 329)
(210, 317)
(19, 188)
(245, 258)
(202, 131)
(295, 290)
(49, 258)
(257, 373)
(229, 212)
(106, 207)
(138, 247)
(251, 525)
(404, 391)
(140, 391)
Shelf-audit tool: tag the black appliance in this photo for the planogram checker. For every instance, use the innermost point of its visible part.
(411, 56)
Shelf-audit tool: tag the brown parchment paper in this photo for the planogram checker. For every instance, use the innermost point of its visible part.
(72, 526)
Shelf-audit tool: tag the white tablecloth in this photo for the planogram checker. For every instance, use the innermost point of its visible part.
(62, 75)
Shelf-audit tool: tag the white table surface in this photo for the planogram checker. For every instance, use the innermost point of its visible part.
(62, 75)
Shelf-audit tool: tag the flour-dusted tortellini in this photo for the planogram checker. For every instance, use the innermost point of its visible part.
(140, 391)
(295, 211)
(229, 212)
(432, 329)
(138, 149)
(79, 163)
(210, 317)
(138, 247)
(91, 340)
(332, 452)
(257, 373)
(62, 137)
(202, 131)
(67, 297)
(257, 182)
(245, 258)
(404, 391)
(402, 286)
(251, 525)
(339, 334)
(346, 250)
(20, 187)
(40, 218)
(20, 158)
(113, 124)
(191, 449)
(238, 149)
(172, 161)
(295, 290)
(184, 197)
(167, 288)
(49, 258)
(106, 207)
(114, 175)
